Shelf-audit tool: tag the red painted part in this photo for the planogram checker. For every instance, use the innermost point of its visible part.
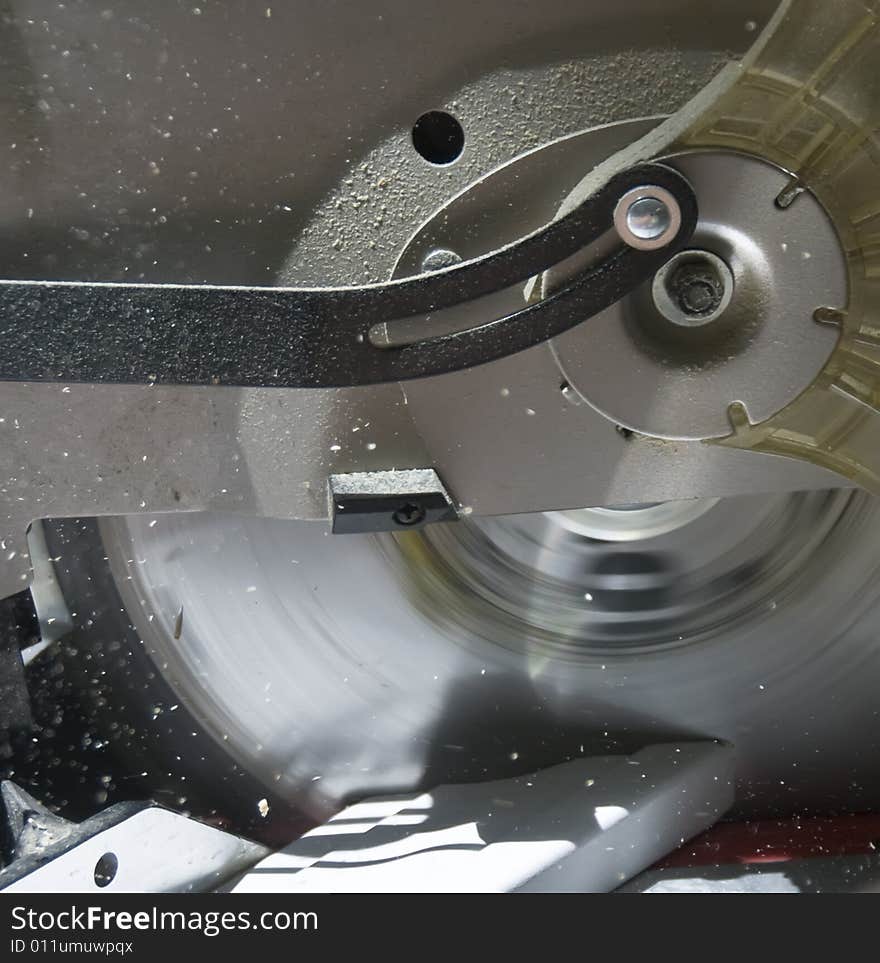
(773, 841)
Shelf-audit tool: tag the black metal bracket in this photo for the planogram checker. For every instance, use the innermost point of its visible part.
(388, 501)
(67, 331)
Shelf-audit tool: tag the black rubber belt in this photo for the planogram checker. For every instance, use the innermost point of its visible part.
(297, 337)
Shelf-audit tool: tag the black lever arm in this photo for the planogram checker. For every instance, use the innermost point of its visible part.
(320, 337)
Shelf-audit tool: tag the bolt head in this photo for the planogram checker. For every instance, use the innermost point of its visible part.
(693, 288)
(648, 218)
(697, 288)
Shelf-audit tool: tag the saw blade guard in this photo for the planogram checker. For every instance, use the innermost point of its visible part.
(808, 99)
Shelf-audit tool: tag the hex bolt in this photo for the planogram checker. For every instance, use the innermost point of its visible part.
(696, 288)
(693, 288)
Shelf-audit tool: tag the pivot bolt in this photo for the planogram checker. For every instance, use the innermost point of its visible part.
(647, 218)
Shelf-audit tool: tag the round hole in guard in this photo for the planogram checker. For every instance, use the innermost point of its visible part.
(438, 137)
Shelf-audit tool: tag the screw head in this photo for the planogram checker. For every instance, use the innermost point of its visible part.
(648, 218)
(409, 514)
